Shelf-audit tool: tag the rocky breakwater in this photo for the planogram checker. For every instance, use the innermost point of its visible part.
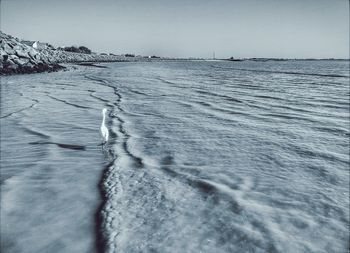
(19, 58)
(60, 56)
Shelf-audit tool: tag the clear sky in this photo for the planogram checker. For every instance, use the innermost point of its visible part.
(184, 28)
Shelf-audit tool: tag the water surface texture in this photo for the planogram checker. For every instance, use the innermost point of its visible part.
(204, 156)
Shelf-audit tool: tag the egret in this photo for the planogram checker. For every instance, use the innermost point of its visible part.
(104, 129)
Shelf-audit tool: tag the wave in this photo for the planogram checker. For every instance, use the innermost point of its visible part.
(21, 110)
(213, 94)
(61, 145)
(69, 103)
(283, 72)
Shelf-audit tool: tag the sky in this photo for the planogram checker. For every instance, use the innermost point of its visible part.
(186, 28)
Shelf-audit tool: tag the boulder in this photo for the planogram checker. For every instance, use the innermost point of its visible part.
(12, 56)
(29, 64)
(21, 61)
(11, 64)
(31, 56)
(37, 57)
(16, 47)
(3, 54)
(8, 49)
(21, 53)
(4, 58)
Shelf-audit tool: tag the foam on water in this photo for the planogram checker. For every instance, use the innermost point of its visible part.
(210, 165)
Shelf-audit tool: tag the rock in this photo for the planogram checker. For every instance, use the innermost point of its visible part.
(8, 49)
(3, 56)
(11, 44)
(21, 61)
(37, 57)
(31, 57)
(11, 64)
(21, 53)
(45, 60)
(32, 61)
(16, 47)
(29, 64)
(12, 56)
(32, 53)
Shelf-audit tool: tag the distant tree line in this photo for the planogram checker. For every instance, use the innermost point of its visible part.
(74, 49)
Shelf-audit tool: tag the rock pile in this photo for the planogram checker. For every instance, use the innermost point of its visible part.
(17, 57)
(60, 56)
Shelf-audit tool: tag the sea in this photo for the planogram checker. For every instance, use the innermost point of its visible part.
(202, 156)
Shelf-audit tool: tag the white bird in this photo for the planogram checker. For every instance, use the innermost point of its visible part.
(104, 129)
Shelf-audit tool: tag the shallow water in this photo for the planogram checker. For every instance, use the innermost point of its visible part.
(203, 157)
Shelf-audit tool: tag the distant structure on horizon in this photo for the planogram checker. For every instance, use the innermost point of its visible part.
(213, 55)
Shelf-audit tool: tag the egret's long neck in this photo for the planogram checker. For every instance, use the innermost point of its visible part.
(103, 119)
